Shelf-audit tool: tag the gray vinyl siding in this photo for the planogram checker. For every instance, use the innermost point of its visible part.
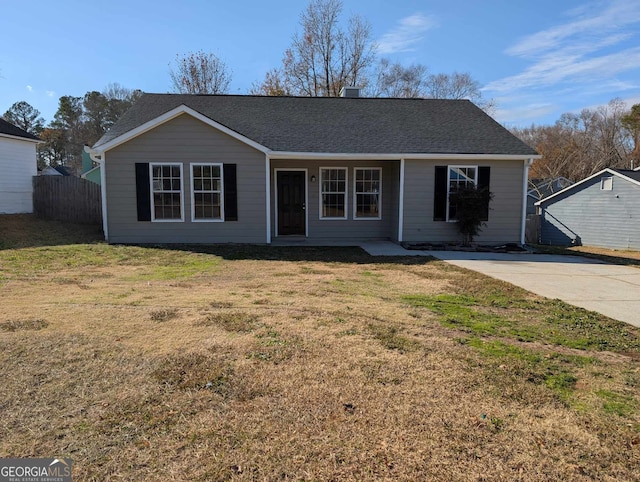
(185, 140)
(505, 215)
(590, 216)
(350, 228)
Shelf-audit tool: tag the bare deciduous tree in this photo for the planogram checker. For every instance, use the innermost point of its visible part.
(457, 86)
(200, 73)
(579, 145)
(273, 85)
(395, 80)
(324, 58)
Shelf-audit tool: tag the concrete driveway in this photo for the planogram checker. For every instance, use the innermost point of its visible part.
(609, 289)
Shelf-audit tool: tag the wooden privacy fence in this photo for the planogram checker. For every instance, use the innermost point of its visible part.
(67, 198)
(532, 229)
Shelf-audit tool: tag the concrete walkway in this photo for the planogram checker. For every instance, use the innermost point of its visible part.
(609, 289)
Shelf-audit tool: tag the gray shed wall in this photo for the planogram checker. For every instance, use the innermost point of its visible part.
(594, 217)
(505, 215)
(185, 140)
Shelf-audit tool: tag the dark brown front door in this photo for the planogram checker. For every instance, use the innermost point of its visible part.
(291, 203)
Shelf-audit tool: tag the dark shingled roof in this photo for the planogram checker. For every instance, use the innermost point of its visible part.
(340, 125)
(635, 175)
(11, 130)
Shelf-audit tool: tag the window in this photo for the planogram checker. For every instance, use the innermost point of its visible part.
(166, 192)
(367, 193)
(333, 193)
(206, 192)
(459, 177)
(606, 184)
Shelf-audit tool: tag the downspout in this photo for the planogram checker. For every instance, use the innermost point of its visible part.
(99, 158)
(401, 203)
(267, 162)
(525, 188)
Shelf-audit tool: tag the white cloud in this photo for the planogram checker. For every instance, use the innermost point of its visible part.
(592, 54)
(50, 93)
(523, 112)
(585, 28)
(29, 88)
(558, 68)
(406, 34)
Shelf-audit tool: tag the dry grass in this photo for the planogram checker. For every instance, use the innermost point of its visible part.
(616, 256)
(304, 364)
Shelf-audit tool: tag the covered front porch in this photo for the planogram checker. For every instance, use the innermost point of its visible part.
(315, 202)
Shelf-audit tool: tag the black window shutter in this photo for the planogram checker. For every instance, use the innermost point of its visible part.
(143, 191)
(484, 178)
(230, 193)
(440, 194)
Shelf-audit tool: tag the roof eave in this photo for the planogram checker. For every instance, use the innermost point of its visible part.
(20, 138)
(285, 155)
(166, 117)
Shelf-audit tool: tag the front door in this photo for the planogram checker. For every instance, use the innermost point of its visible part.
(291, 203)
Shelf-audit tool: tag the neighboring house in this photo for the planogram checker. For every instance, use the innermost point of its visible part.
(18, 165)
(89, 171)
(542, 188)
(601, 210)
(248, 169)
(55, 171)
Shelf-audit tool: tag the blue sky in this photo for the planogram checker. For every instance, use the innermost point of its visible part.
(536, 59)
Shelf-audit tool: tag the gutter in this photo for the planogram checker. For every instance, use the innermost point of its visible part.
(98, 157)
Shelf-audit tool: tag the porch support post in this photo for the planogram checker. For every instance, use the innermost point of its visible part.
(267, 163)
(401, 202)
(525, 186)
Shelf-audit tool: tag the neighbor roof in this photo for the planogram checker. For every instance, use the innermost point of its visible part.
(339, 125)
(630, 176)
(7, 128)
(633, 174)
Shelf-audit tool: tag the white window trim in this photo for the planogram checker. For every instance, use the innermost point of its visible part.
(355, 195)
(153, 208)
(346, 195)
(193, 193)
(455, 166)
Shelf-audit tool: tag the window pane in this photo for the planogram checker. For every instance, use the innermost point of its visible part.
(333, 187)
(367, 205)
(207, 205)
(459, 177)
(368, 186)
(333, 205)
(166, 188)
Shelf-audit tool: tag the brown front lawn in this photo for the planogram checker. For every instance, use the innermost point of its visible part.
(258, 363)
